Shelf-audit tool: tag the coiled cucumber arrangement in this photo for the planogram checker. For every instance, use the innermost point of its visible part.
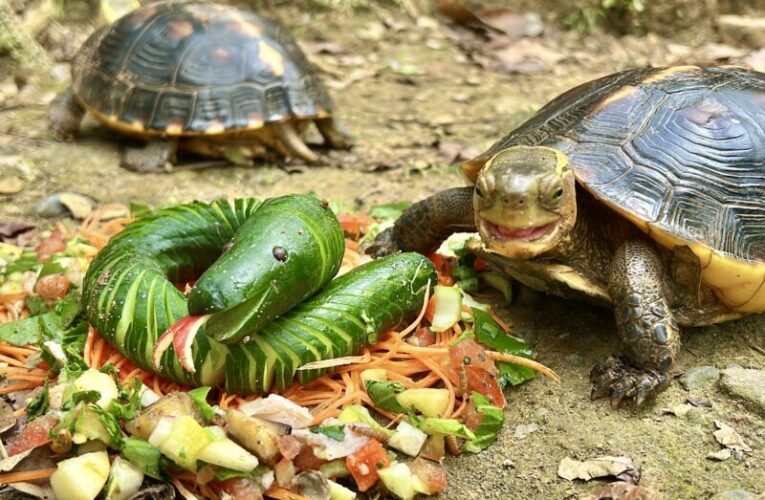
(255, 262)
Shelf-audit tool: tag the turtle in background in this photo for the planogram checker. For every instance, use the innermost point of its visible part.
(205, 78)
(643, 191)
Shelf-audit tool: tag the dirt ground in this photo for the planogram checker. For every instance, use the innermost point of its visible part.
(417, 94)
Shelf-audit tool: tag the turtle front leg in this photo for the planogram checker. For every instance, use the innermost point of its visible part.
(646, 326)
(65, 115)
(426, 224)
(333, 136)
(156, 156)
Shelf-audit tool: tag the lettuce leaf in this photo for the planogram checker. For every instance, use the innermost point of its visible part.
(383, 395)
(199, 395)
(487, 431)
(490, 334)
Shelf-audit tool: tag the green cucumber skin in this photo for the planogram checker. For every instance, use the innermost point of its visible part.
(128, 292)
(248, 286)
(359, 305)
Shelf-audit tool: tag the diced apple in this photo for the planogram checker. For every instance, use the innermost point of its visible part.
(340, 492)
(228, 454)
(94, 380)
(81, 477)
(408, 439)
(398, 480)
(89, 427)
(448, 301)
(380, 374)
(125, 479)
(184, 441)
(429, 402)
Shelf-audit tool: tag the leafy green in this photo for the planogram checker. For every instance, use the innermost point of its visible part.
(389, 211)
(339, 207)
(50, 267)
(36, 305)
(40, 404)
(490, 334)
(110, 424)
(336, 432)
(43, 327)
(358, 413)
(383, 395)
(223, 474)
(492, 419)
(448, 426)
(139, 210)
(143, 455)
(199, 395)
(27, 261)
(85, 396)
(128, 403)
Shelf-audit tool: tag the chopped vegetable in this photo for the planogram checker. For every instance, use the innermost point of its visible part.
(143, 455)
(490, 424)
(257, 435)
(183, 442)
(408, 439)
(429, 402)
(175, 404)
(94, 380)
(427, 478)
(226, 453)
(489, 333)
(397, 478)
(358, 413)
(364, 464)
(383, 395)
(448, 426)
(340, 492)
(125, 479)
(199, 396)
(81, 477)
(336, 432)
(448, 308)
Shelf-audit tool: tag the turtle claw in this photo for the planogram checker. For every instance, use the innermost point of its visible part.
(624, 383)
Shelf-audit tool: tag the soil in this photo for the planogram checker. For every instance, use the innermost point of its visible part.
(412, 98)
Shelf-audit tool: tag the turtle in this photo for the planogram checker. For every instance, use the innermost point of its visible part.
(642, 191)
(207, 78)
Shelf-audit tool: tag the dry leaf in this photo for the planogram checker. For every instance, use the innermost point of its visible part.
(497, 20)
(720, 455)
(7, 418)
(619, 490)
(525, 56)
(322, 47)
(10, 463)
(10, 230)
(524, 430)
(619, 467)
(726, 436)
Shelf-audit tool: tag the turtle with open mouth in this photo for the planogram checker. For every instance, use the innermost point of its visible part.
(643, 191)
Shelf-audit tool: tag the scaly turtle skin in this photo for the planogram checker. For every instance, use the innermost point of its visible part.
(643, 191)
(209, 78)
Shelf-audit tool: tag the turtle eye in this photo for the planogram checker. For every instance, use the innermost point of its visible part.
(554, 194)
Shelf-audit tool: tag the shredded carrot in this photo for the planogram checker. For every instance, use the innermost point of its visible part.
(28, 475)
(529, 363)
(283, 494)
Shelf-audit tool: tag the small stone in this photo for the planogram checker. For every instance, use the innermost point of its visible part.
(540, 415)
(10, 185)
(461, 97)
(736, 495)
(699, 402)
(508, 464)
(720, 456)
(699, 376)
(746, 384)
(524, 430)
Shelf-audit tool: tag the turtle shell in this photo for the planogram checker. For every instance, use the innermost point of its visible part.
(178, 68)
(678, 151)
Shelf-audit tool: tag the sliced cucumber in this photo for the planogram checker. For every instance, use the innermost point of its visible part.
(448, 312)
(228, 454)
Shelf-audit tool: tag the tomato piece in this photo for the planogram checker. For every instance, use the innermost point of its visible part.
(432, 475)
(50, 245)
(35, 434)
(364, 463)
(354, 225)
(52, 287)
(423, 337)
(483, 382)
(443, 269)
(242, 489)
(480, 265)
(467, 352)
(306, 460)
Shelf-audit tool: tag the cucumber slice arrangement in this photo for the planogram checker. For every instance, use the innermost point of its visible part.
(256, 264)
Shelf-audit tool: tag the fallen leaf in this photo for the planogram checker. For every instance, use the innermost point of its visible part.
(11, 462)
(620, 467)
(619, 490)
(7, 418)
(333, 48)
(63, 204)
(10, 185)
(525, 56)
(499, 20)
(33, 490)
(726, 436)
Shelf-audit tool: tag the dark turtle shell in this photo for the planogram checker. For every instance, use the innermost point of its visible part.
(183, 68)
(678, 151)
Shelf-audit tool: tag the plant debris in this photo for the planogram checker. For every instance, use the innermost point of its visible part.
(621, 468)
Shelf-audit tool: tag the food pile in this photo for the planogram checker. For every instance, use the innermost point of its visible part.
(84, 420)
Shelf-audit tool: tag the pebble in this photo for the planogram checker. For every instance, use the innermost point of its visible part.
(746, 384)
(524, 430)
(699, 376)
(508, 464)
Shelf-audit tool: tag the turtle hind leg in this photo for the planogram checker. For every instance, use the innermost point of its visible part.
(65, 115)
(426, 224)
(155, 156)
(333, 136)
(292, 142)
(646, 325)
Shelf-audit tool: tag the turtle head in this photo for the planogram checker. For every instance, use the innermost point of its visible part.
(525, 201)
